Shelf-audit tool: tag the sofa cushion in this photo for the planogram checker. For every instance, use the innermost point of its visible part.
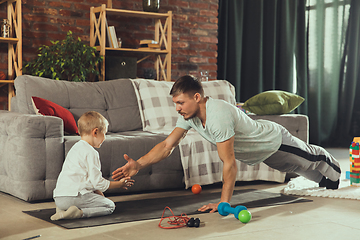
(158, 111)
(273, 102)
(115, 99)
(163, 175)
(48, 108)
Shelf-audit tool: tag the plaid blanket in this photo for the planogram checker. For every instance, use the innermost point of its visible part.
(203, 166)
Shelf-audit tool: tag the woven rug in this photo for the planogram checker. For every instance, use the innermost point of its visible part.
(301, 186)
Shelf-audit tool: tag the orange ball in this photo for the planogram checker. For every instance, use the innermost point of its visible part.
(196, 189)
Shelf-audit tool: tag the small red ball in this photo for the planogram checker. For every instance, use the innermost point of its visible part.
(196, 189)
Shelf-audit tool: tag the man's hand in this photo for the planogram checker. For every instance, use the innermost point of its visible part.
(130, 169)
(212, 206)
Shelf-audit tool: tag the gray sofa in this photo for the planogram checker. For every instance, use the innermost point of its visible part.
(33, 147)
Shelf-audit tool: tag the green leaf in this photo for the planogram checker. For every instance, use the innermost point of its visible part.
(66, 59)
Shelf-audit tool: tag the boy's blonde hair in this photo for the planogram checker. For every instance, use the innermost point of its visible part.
(91, 120)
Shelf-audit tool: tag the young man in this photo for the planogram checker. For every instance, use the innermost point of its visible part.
(237, 137)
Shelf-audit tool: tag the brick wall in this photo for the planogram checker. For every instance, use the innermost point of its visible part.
(194, 38)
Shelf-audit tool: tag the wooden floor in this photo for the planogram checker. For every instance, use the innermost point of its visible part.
(324, 218)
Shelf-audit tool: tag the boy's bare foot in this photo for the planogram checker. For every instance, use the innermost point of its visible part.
(72, 213)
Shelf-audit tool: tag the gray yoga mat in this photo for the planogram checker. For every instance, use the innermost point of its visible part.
(145, 209)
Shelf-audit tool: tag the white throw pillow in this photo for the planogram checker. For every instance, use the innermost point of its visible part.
(220, 89)
(156, 105)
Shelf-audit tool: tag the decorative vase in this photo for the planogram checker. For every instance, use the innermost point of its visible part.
(5, 28)
(151, 5)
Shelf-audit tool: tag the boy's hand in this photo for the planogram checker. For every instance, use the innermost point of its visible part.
(130, 169)
(126, 182)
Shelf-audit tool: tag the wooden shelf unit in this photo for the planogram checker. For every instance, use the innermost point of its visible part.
(162, 35)
(14, 16)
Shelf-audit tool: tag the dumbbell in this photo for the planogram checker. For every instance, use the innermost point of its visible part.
(224, 209)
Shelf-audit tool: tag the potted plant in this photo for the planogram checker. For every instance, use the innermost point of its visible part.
(69, 59)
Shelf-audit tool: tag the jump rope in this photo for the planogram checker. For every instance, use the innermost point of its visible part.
(178, 221)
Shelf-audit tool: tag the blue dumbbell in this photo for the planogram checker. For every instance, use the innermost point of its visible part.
(224, 209)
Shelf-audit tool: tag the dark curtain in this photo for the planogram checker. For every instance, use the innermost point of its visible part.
(326, 29)
(348, 125)
(259, 40)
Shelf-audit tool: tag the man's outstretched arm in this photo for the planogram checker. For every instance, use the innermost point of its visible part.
(227, 156)
(161, 151)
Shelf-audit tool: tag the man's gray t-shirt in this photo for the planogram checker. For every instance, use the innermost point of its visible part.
(255, 140)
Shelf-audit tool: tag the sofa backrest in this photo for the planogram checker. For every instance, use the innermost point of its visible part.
(115, 99)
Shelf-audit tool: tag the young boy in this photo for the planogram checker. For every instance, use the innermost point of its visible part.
(80, 185)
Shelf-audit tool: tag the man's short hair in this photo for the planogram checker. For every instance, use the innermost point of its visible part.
(91, 120)
(187, 84)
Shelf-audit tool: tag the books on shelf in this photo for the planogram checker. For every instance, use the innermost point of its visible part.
(149, 44)
(108, 34)
(113, 37)
(111, 34)
(146, 41)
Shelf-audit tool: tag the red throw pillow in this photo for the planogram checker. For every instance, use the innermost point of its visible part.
(48, 108)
